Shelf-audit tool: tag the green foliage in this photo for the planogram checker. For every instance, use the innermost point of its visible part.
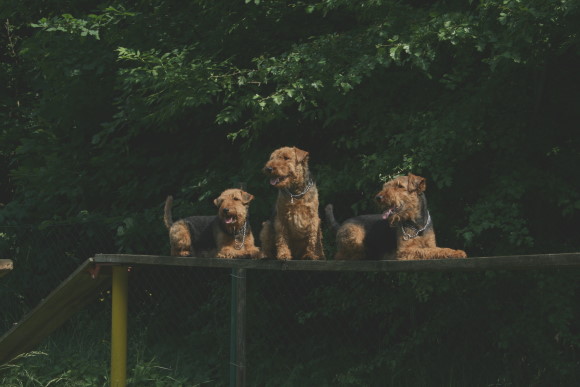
(83, 27)
(461, 93)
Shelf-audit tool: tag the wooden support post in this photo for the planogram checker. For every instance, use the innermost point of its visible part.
(119, 327)
(238, 329)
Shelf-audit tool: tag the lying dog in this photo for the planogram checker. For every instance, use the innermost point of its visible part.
(227, 235)
(404, 231)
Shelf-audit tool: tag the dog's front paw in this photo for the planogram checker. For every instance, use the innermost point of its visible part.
(283, 252)
(255, 254)
(458, 254)
(312, 257)
(445, 252)
(284, 257)
(226, 253)
(224, 256)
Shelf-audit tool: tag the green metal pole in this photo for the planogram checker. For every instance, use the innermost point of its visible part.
(238, 329)
(233, 330)
(119, 327)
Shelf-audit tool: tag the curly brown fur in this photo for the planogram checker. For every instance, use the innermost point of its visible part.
(227, 235)
(295, 228)
(405, 208)
(362, 237)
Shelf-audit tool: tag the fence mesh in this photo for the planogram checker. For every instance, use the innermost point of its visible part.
(180, 317)
(294, 330)
(179, 325)
(43, 257)
(171, 339)
(302, 328)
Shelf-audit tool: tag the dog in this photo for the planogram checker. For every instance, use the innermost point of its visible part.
(404, 231)
(294, 230)
(225, 235)
(362, 237)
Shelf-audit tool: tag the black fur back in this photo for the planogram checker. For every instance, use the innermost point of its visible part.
(201, 230)
(380, 237)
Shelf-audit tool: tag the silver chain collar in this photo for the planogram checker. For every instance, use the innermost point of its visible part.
(301, 194)
(417, 231)
(238, 245)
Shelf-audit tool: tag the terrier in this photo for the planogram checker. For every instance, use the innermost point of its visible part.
(404, 231)
(225, 235)
(294, 230)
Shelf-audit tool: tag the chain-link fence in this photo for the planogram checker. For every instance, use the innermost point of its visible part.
(179, 317)
(294, 334)
(303, 328)
(179, 321)
(43, 257)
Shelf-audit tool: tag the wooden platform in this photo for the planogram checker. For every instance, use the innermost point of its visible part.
(81, 288)
(6, 267)
(513, 262)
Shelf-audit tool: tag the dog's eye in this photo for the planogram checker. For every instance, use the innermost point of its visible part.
(237, 199)
(399, 185)
(286, 158)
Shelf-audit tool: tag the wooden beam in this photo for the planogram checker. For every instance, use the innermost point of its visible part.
(6, 267)
(514, 262)
(68, 298)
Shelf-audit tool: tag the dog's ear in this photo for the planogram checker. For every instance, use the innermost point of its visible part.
(416, 183)
(247, 197)
(301, 156)
(218, 201)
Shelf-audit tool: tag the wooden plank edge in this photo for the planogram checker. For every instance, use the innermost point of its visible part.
(564, 260)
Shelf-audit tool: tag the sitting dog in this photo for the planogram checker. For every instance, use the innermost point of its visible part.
(294, 230)
(404, 231)
(227, 235)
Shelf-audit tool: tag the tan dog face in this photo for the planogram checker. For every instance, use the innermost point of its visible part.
(399, 198)
(233, 207)
(287, 166)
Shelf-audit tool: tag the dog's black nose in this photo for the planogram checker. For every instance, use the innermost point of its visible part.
(269, 169)
(378, 198)
(226, 210)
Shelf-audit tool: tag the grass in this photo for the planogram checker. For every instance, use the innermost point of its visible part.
(78, 355)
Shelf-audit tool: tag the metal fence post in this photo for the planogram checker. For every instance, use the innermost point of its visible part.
(238, 329)
(119, 327)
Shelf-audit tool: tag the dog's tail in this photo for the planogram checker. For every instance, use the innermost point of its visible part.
(167, 217)
(332, 223)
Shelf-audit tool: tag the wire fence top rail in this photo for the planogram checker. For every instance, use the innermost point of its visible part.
(512, 262)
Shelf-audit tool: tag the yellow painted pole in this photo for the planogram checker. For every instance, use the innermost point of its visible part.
(119, 327)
